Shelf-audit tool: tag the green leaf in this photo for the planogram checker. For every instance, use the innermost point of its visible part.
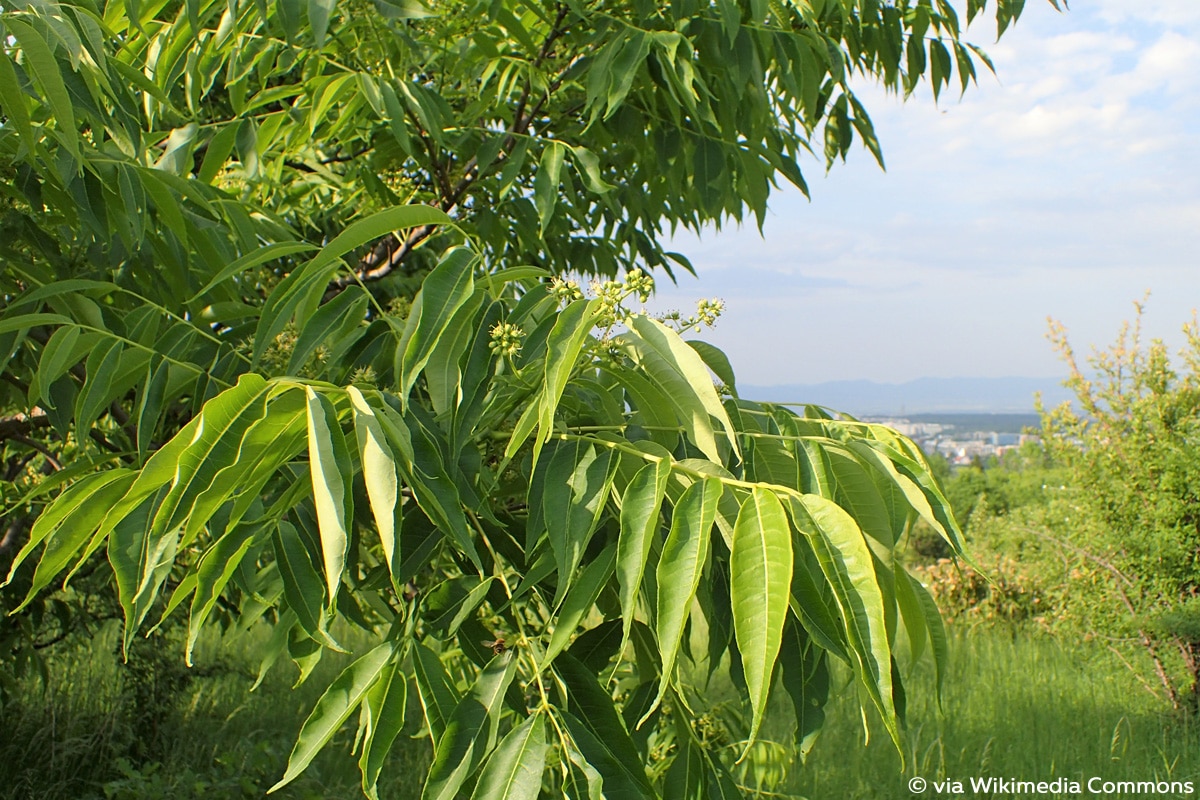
(15, 103)
(436, 692)
(379, 474)
(514, 771)
(937, 632)
(577, 483)
(337, 318)
(302, 585)
(846, 562)
(687, 777)
(443, 371)
(96, 394)
(761, 566)
(59, 355)
(253, 259)
(683, 560)
(912, 612)
(597, 731)
(44, 68)
(24, 321)
(545, 185)
(213, 574)
(641, 507)
(578, 601)
(806, 680)
(140, 563)
(329, 461)
(212, 452)
(445, 289)
(385, 705)
(471, 731)
(319, 12)
(563, 347)
(717, 361)
(682, 375)
(619, 779)
(67, 524)
(334, 708)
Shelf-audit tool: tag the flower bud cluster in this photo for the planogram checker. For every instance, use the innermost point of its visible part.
(565, 291)
(707, 313)
(506, 339)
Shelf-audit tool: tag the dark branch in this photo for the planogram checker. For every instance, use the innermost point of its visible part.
(19, 425)
(390, 251)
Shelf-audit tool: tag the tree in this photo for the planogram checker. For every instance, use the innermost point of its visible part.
(211, 387)
(1132, 450)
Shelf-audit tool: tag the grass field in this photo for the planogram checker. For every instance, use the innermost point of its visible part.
(1014, 707)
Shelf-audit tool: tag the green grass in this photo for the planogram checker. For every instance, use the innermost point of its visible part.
(157, 730)
(1015, 707)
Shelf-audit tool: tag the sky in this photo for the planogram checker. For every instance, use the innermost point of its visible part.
(1066, 186)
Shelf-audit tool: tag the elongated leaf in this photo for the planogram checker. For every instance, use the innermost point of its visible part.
(213, 574)
(46, 71)
(319, 12)
(937, 632)
(683, 376)
(140, 563)
(274, 438)
(618, 778)
(578, 601)
(576, 487)
(379, 474)
(333, 708)
(96, 394)
(15, 103)
(717, 361)
(598, 733)
(328, 461)
(22, 321)
(687, 777)
(912, 612)
(681, 565)
(471, 731)
(563, 346)
(447, 287)
(806, 680)
(377, 225)
(846, 562)
(333, 319)
(437, 693)
(253, 259)
(545, 185)
(761, 567)
(514, 771)
(216, 445)
(68, 524)
(302, 585)
(640, 510)
(385, 704)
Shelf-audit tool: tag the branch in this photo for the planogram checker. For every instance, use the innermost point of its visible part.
(51, 459)
(18, 425)
(390, 251)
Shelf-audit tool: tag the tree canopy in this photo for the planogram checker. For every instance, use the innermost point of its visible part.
(553, 524)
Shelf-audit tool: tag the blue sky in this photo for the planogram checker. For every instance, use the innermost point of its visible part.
(1065, 186)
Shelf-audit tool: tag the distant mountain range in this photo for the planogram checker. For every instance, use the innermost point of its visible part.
(920, 396)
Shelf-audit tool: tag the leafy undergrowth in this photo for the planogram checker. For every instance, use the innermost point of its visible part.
(154, 729)
(1019, 707)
